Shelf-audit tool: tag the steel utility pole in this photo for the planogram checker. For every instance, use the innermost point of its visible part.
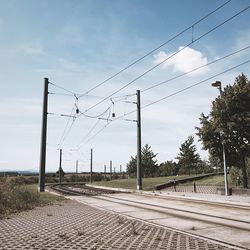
(43, 137)
(105, 171)
(91, 165)
(110, 167)
(60, 168)
(76, 169)
(139, 178)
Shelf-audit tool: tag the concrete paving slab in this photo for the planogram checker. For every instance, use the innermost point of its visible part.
(202, 228)
(73, 225)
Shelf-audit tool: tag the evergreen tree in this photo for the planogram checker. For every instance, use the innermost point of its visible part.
(188, 159)
(168, 168)
(148, 161)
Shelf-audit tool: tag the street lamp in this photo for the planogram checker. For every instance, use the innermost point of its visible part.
(217, 84)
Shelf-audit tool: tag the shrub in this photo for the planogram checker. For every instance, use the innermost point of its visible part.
(15, 198)
(235, 175)
(21, 180)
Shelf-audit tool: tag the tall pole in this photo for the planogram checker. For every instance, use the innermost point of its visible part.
(120, 168)
(225, 169)
(105, 172)
(91, 165)
(60, 168)
(217, 84)
(43, 137)
(139, 178)
(224, 153)
(76, 169)
(110, 168)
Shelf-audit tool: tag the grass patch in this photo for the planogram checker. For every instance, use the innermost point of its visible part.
(217, 180)
(147, 183)
(15, 198)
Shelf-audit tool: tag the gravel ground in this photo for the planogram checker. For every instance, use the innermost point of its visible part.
(72, 225)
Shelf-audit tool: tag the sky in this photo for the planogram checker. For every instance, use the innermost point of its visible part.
(78, 44)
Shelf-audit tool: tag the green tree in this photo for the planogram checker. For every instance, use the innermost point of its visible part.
(188, 158)
(203, 166)
(131, 166)
(215, 163)
(168, 168)
(229, 122)
(148, 161)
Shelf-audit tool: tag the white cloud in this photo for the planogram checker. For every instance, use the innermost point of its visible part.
(184, 61)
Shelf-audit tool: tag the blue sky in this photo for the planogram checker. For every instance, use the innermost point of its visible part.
(78, 44)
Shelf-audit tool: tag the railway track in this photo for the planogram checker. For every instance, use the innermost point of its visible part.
(187, 211)
(80, 189)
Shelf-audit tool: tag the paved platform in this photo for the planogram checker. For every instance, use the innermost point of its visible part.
(73, 225)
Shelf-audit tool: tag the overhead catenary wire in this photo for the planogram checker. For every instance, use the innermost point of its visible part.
(169, 57)
(156, 48)
(197, 68)
(97, 116)
(196, 84)
(168, 96)
(147, 54)
(144, 56)
(163, 62)
(63, 137)
(68, 127)
(60, 87)
(156, 85)
(89, 132)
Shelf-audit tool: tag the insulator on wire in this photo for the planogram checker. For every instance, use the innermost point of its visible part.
(113, 115)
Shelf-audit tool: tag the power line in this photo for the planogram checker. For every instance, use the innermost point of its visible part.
(60, 87)
(195, 69)
(98, 132)
(157, 65)
(108, 120)
(66, 134)
(68, 128)
(196, 84)
(90, 131)
(63, 137)
(168, 96)
(96, 116)
(155, 49)
(219, 59)
(141, 58)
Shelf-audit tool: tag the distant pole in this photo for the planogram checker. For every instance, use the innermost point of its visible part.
(110, 165)
(139, 178)
(76, 169)
(120, 168)
(91, 164)
(43, 137)
(60, 168)
(105, 171)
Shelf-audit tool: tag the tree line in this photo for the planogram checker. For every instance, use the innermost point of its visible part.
(228, 122)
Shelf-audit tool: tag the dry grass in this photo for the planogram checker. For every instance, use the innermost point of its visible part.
(19, 197)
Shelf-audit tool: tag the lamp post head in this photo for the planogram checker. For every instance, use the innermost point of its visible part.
(216, 84)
